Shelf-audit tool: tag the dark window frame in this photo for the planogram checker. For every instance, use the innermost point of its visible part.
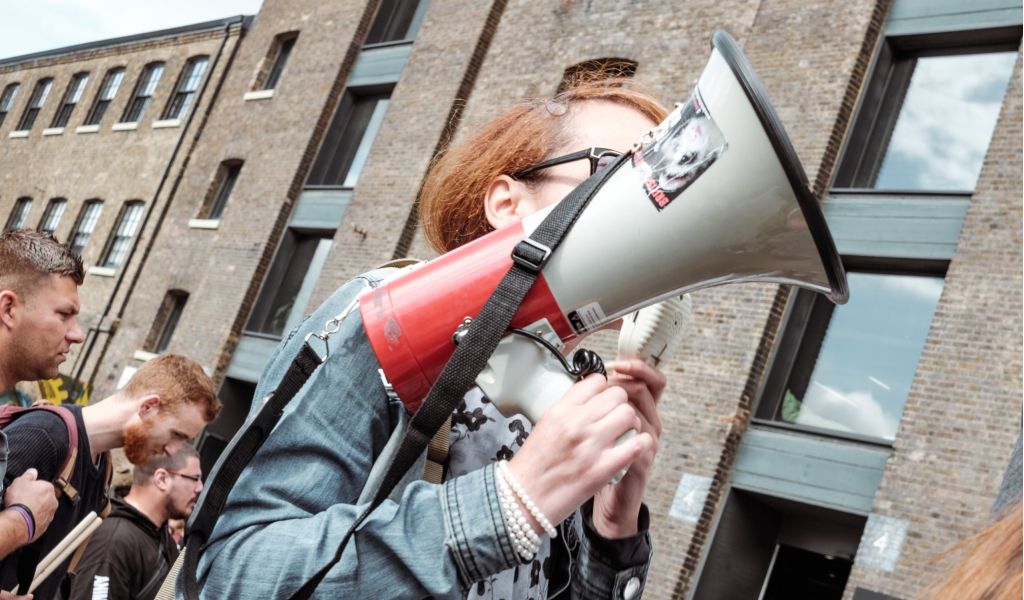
(805, 310)
(54, 205)
(105, 95)
(873, 126)
(340, 144)
(392, 17)
(72, 95)
(142, 94)
(19, 213)
(118, 245)
(40, 93)
(85, 225)
(268, 301)
(7, 97)
(167, 318)
(280, 53)
(186, 87)
(220, 191)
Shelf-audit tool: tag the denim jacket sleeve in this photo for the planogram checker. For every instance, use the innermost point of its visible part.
(287, 513)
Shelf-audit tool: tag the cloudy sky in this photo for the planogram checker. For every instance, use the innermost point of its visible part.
(28, 26)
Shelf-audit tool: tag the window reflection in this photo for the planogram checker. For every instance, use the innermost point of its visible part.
(945, 122)
(866, 356)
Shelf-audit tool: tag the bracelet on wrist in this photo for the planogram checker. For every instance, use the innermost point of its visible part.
(542, 520)
(26, 514)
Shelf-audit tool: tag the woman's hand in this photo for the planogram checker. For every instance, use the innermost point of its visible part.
(572, 453)
(616, 507)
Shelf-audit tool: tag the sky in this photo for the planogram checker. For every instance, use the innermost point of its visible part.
(28, 26)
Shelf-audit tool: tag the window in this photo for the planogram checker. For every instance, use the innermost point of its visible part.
(851, 368)
(227, 174)
(166, 321)
(71, 97)
(7, 100)
(185, 91)
(20, 214)
(596, 70)
(928, 117)
(143, 95)
(281, 50)
(51, 216)
(396, 21)
(348, 140)
(287, 289)
(35, 103)
(124, 230)
(106, 93)
(85, 226)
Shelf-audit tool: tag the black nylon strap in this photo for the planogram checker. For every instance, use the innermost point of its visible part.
(475, 349)
(236, 457)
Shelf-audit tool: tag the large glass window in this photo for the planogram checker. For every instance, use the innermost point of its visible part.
(143, 95)
(289, 286)
(7, 100)
(105, 95)
(35, 103)
(86, 224)
(121, 239)
(19, 216)
(849, 368)
(51, 216)
(928, 118)
(348, 140)
(396, 21)
(71, 97)
(188, 83)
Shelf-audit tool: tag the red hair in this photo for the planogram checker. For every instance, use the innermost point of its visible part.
(452, 199)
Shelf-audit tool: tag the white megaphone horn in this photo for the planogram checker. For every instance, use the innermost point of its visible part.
(714, 195)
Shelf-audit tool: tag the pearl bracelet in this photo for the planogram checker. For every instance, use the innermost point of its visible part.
(524, 540)
(506, 472)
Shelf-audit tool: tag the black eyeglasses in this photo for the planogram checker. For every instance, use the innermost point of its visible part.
(599, 158)
(195, 478)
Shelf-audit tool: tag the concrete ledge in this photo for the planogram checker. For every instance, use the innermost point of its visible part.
(53, 131)
(124, 127)
(87, 129)
(164, 124)
(204, 223)
(18, 134)
(258, 95)
(143, 355)
(102, 271)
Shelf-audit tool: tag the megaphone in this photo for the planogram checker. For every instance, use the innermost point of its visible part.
(714, 194)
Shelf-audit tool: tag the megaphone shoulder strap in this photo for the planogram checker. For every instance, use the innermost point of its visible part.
(471, 355)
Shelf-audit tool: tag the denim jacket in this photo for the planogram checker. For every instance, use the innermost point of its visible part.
(287, 513)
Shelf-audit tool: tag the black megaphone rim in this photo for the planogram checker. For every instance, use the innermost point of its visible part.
(752, 86)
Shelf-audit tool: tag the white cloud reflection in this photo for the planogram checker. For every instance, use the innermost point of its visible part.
(856, 411)
(946, 122)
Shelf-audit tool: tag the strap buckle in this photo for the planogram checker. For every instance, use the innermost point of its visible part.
(525, 254)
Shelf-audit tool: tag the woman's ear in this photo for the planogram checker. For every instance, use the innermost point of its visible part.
(501, 204)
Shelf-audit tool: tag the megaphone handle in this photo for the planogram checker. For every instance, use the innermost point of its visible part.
(622, 438)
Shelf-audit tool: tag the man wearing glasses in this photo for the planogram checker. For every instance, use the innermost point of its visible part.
(132, 551)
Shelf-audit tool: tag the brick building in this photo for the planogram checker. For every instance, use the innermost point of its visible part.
(806, 447)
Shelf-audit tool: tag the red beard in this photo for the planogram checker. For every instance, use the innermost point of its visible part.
(136, 443)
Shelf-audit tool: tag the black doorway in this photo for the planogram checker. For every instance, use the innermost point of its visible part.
(797, 573)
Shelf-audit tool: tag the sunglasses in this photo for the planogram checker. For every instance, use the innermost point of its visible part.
(599, 158)
(195, 478)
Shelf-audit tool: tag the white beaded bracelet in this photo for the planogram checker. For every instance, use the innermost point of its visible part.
(524, 540)
(530, 506)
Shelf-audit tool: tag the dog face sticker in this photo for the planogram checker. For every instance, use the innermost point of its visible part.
(685, 144)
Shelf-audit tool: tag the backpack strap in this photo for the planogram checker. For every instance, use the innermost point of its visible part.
(63, 478)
